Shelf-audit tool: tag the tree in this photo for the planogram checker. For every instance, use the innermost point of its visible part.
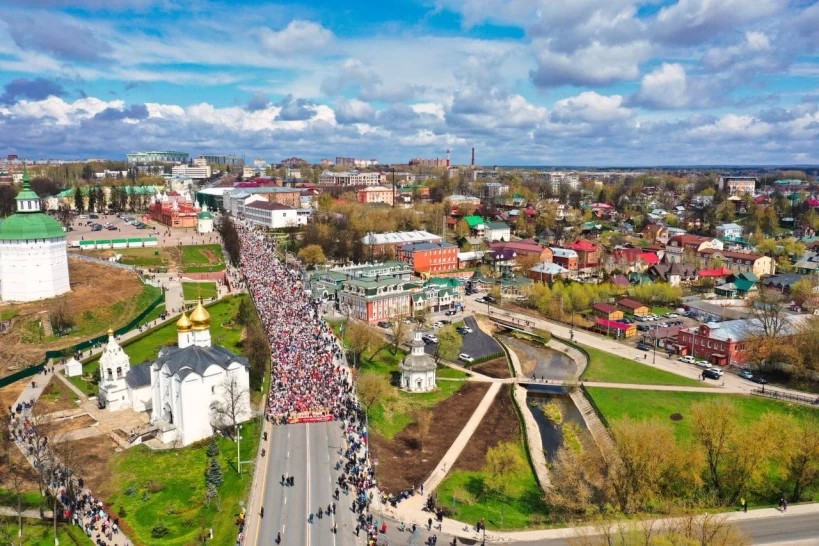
(232, 404)
(398, 329)
(360, 338)
(312, 255)
(685, 530)
(503, 463)
(371, 388)
(257, 349)
(767, 312)
(213, 448)
(801, 451)
(230, 238)
(735, 456)
(213, 473)
(449, 344)
(650, 464)
(79, 203)
(582, 481)
(245, 314)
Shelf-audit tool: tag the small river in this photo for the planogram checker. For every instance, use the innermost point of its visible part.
(551, 435)
(542, 361)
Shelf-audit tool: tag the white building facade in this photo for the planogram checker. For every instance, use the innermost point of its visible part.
(418, 368)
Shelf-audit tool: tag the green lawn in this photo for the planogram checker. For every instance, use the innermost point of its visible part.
(223, 332)
(41, 533)
(524, 509)
(158, 310)
(450, 373)
(660, 310)
(30, 499)
(139, 257)
(618, 403)
(92, 323)
(610, 368)
(169, 487)
(202, 258)
(193, 290)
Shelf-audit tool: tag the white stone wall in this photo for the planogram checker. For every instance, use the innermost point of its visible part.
(33, 270)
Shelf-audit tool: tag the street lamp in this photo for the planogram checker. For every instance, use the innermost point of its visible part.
(238, 449)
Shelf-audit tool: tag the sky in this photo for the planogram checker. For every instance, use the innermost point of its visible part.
(524, 82)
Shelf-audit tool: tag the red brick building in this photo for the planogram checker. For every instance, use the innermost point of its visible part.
(430, 258)
(588, 253)
(174, 210)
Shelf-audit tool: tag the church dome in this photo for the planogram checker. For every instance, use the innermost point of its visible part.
(23, 226)
(184, 323)
(200, 318)
(205, 215)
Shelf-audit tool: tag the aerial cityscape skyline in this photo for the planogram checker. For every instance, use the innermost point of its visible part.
(527, 83)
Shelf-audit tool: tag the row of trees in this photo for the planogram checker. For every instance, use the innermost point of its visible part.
(726, 460)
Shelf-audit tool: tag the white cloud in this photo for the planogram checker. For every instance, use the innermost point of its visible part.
(62, 112)
(732, 126)
(590, 107)
(665, 87)
(298, 37)
(596, 64)
(693, 21)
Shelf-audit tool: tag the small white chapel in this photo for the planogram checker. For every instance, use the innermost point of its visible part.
(182, 386)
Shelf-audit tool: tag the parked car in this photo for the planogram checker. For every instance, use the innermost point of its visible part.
(745, 374)
(688, 359)
(464, 330)
(711, 373)
(644, 346)
(430, 338)
(464, 357)
(702, 363)
(717, 369)
(384, 324)
(759, 379)
(451, 312)
(642, 328)
(437, 324)
(664, 325)
(480, 300)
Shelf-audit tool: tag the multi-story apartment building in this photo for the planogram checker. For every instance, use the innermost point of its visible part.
(272, 215)
(289, 197)
(352, 178)
(157, 157)
(677, 245)
(494, 189)
(741, 262)
(738, 185)
(373, 300)
(194, 172)
(376, 194)
(356, 162)
(430, 258)
(235, 163)
(437, 162)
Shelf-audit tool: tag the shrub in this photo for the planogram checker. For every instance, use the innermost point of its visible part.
(130, 491)
(122, 512)
(159, 530)
(156, 487)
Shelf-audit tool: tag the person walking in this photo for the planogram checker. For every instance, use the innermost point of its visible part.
(744, 504)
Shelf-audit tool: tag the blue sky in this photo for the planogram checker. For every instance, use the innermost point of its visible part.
(543, 82)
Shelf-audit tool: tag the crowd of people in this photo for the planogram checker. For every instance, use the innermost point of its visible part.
(310, 380)
(75, 502)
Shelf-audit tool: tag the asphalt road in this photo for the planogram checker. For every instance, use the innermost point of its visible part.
(785, 529)
(308, 453)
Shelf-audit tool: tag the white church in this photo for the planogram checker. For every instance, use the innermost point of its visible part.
(33, 251)
(181, 388)
(418, 368)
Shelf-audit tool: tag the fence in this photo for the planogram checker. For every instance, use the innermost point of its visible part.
(83, 345)
(781, 395)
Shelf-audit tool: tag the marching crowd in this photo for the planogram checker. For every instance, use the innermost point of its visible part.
(76, 503)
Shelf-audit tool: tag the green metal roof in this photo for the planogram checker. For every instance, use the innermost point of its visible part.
(118, 241)
(136, 240)
(31, 225)
(473, 221)
(205, 215)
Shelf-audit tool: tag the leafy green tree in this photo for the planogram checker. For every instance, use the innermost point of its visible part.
(449, 343)
(312, 255)
(79, 203)
(504, 463)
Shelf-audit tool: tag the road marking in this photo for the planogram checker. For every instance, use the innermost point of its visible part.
(307, 479)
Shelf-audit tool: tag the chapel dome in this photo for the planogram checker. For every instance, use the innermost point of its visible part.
(184, 323)
(200, 318)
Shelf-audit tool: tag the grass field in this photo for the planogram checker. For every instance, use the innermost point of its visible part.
(393, 414)
(450, 373)
(41, 533)
(223, 332)
(202, 259)
(618, 403)
(169, 487)
(660, 310)
(139, 257)
(92, 323)
(606, 367)
(29, 499)
(192, 290)
(462, 493)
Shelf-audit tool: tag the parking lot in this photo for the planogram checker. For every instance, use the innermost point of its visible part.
(477, 344)
(81, 230)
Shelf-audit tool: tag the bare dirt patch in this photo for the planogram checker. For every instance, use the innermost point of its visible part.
(55, 397)
(106, 293)
(58, 428)
(91, 461)
(497, 368)
(9, 395)
(401, 464)
(500, 424)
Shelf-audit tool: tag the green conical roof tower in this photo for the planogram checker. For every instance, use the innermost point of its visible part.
(29, 222)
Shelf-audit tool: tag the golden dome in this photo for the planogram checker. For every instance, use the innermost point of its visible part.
(200, 317)
(110, 332)
(184, 323)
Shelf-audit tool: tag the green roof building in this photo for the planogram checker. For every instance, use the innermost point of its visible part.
(33, 251)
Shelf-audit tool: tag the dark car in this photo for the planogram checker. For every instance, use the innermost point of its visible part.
(644, 346)
(759, 379)
(384, 324)
(711, 373)
(642, 328)
(451, 312)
